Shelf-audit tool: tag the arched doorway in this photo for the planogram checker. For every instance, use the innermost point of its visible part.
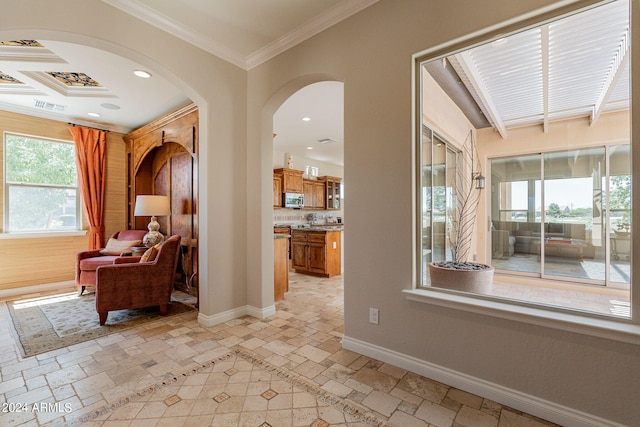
(308, 137)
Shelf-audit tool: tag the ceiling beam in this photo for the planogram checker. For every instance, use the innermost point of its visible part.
(544, 40)
(620, 63)
(487, 104)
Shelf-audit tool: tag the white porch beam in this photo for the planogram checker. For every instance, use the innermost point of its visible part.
(465, 61)
(621, 61)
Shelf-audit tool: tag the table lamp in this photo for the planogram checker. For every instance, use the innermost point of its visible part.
(149, 205)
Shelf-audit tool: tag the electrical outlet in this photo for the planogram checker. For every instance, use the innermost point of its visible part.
(335, 245)
(373, 316)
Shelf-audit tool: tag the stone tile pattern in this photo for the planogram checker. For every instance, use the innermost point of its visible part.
(175, 372)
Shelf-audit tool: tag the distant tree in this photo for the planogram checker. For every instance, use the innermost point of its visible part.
(554, 210)
(620, 192)
(40, 168)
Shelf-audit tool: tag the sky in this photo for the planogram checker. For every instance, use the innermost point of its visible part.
(571, 192)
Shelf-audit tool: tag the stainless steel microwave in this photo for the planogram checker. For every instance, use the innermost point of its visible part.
(293, 200)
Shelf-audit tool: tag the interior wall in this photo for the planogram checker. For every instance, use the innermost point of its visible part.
(372, 53)
(44, 260)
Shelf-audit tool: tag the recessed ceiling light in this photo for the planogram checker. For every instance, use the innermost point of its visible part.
(110, 106)
(142, 73)
(309, 148)
(93, 114)
(306, 119)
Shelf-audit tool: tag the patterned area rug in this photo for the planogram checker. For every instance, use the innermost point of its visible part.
(241, 389)
(50, 322)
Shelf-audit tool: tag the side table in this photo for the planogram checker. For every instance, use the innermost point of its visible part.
(138, 250)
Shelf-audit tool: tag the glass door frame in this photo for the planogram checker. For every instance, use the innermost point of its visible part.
(606, 179)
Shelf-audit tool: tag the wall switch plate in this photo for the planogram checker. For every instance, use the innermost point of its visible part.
(373, 316)
(335, 245)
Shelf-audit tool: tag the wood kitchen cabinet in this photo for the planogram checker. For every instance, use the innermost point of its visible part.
(314, 194)
(316, 252)
(280, 268)
(333, 196)
(291, 180)
(277, 191)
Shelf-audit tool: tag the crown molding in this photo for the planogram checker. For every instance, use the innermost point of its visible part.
(309, 29)
(165, 23)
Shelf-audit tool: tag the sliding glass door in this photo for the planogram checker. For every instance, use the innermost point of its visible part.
(515, 213)
(550, 216)
(437, 197)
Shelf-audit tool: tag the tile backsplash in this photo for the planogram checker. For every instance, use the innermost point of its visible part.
(287, 216)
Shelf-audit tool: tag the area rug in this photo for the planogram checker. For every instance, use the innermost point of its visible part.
(51, 322)
(245, 379)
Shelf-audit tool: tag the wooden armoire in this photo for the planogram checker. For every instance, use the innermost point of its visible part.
(162, 160)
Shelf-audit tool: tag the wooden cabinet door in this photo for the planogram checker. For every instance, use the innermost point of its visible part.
(277, 191)
(307, 190)
(294, 181)
(317, 257)
(299, 255)
(319, 195)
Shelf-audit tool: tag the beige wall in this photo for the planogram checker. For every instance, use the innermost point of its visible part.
(43, 260)
(371, 53)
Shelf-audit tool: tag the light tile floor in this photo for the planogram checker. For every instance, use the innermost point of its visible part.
(287, 370)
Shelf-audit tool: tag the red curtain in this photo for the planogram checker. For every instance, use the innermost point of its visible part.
(91, 162)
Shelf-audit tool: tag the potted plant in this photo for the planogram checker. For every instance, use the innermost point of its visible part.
(458, 273)
(622, 226)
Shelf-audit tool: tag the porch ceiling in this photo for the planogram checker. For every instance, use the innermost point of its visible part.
(575, 67)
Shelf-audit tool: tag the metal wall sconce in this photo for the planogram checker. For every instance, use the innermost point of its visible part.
(479, 179)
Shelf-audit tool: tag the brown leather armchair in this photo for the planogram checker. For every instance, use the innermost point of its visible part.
(88, 261)
(132, 284)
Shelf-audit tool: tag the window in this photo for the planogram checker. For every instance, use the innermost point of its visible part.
(550, 109)
(41, 185)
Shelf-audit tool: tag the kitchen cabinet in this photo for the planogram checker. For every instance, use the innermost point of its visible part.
(333, 197)
(284, 230)
(314, 194)
(291, 180)
(316, 252)
(280, 267)
(277, 191)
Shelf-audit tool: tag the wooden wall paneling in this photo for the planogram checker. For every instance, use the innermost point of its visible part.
(163, 161)
(162, 187)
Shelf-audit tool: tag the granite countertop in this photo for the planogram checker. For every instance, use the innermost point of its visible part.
(281, 236)
(337, 227)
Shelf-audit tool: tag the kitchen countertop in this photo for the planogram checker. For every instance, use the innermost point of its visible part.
(323, 228)
(281, 236)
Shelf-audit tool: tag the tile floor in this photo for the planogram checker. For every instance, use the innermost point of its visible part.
(284, 371)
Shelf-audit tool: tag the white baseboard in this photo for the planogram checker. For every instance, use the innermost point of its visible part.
(261, 313)
(225, 316)
(26, 290)
(515, 399)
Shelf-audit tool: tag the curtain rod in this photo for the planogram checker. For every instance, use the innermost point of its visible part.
(89, 127)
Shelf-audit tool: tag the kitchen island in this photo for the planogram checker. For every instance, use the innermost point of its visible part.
(317, 250)
(280, 265)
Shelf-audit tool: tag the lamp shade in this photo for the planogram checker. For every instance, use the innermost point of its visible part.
(150, 205)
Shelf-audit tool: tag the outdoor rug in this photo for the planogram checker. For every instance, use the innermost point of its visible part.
(50, 322)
